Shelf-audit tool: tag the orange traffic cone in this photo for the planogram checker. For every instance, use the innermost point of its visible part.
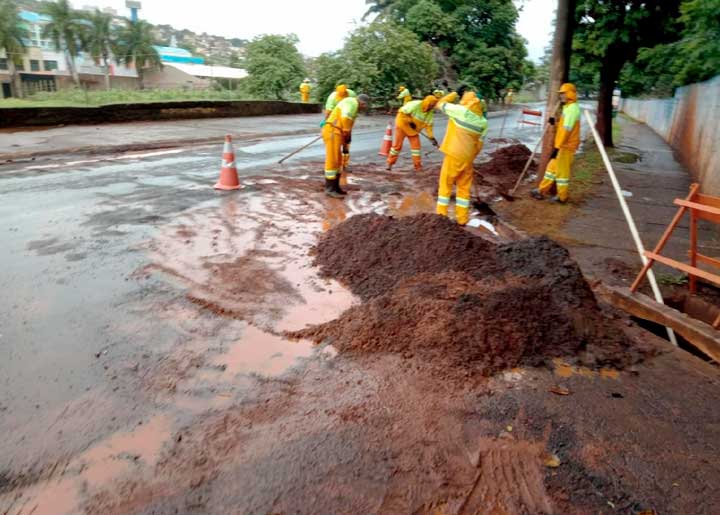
(387, 141)
(228, 173)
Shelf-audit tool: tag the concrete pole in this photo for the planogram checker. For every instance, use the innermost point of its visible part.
(559, 70)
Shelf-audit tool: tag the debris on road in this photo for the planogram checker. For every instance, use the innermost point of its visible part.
(498, 176)
(433, 289)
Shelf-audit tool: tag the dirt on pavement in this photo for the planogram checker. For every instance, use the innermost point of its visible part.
(462, 302)
(501, 172)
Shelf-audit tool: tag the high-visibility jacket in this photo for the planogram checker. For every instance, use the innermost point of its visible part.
(305, 88)
(342, 118)
(568, 132)
(332, 100)
(413, 112)
(404, 95)
(463, 139)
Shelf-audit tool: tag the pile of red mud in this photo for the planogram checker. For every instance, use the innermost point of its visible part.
(434, 290)
(504, 167)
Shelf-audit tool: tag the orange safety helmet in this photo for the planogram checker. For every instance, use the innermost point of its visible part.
(570, 91)
(341, 91)
(472, 102)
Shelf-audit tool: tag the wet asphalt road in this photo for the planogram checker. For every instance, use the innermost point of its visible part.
(73, 231)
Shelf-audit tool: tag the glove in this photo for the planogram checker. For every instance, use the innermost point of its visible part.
(461, 90)
(551, 120)
(322, 123)
(434, 142)
(554, 153)
(413, 126)
(348, 138)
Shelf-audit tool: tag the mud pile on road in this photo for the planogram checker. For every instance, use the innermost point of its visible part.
(504, 167)
(435, 291)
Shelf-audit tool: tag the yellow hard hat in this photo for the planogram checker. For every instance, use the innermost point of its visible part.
(567, 88)
(428, 103)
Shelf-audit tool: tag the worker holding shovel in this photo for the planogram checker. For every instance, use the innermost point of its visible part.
(341, 92)
(463, 142)
(567, 141)
(337, 132)
(411, 119)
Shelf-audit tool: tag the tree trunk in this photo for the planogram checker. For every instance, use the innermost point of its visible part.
(107, 73)
(70, 60)
(141, 79)
(559, 71)
(609, 73)
(16, 80)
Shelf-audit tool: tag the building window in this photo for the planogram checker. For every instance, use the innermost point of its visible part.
(3, 63)
(34, 65)
(50, 65)
(20, 66)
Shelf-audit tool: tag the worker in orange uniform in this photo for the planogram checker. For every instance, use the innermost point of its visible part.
(567, 141)
(341, 91)
(404, 95)
(411, 119)
(305, 91)
(463, 142)
(336, 132)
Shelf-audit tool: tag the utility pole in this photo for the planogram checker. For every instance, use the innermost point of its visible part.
(559, 70)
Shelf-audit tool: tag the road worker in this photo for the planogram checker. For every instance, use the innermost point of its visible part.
(567, 141)
(341, 91)
(336, 132)
(509, 96)
(439, 93)
(411, 119)
(305, 91)
(404, 95)
(463, 142)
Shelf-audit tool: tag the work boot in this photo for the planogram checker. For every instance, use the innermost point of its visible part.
(330, 189)
(535, 193)
(557, 200)
(336, 186)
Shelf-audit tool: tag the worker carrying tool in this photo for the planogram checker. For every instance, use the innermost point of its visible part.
(341, 92)
(404, 95)
(305, 91)
(567, 141)
(411, 119)
(336, 132)
(463, 142)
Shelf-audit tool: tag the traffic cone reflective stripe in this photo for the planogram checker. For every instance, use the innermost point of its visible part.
(387, 141)
(228, 171)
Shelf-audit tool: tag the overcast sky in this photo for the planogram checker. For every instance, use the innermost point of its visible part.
(321, 25)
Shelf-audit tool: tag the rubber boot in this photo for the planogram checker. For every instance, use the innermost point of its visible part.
(535, 193)
(330, 188)
(336, 186)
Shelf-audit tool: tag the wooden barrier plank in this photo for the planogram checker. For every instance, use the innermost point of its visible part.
(699, 334)
(690, 270)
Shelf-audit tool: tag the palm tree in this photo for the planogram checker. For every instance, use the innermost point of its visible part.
(12, 32)
(98, 40)
(135, 47)
(64, 29)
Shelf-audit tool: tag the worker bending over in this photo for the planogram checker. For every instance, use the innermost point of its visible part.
(463, 142)
(567, 141)
(336, 132)
(404, 95)
(305, 91)
(411, 119)
(341, 92)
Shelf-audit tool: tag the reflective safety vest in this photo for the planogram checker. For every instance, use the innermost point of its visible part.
(304, 87)
(568, 132)
(465, 132)
(343, 116)
(332, 99)
(405, 96)
(412, 112)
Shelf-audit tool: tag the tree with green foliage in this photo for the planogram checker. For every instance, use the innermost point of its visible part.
(693, 57)
(376, 59)
(610, 33)
(274, 66)
(136, 46)
(98, 40)
(478, 37)
(12, 33)
(65, 30)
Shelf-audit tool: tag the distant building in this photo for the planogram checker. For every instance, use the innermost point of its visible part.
(182, 70)
(45, 69)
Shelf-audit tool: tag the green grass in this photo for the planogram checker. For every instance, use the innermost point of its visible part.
(81, 98)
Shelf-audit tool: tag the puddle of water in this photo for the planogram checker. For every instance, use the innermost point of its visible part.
(413, 204)
(262, 353)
